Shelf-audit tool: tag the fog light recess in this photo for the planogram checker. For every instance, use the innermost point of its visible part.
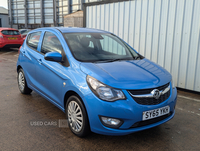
(111, 122)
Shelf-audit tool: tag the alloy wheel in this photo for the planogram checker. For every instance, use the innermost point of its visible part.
(75, 116)
(21, 81)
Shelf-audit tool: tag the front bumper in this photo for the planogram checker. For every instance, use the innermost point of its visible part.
(126, 110)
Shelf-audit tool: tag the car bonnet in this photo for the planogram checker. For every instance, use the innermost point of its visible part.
(134, 74)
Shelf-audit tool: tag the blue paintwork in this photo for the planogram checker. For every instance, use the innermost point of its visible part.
(109, 74)
(47, 77)
(53, 56)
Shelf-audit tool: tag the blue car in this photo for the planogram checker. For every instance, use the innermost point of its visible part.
(101, 83)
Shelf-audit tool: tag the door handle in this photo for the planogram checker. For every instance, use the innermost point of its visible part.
(39, 61)
(23, 53)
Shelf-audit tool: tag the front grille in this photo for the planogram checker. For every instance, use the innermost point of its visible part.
(151, 121)
(147, 91)
(150, 101)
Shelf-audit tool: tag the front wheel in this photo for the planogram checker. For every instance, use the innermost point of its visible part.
(77, 117)
(24, 89)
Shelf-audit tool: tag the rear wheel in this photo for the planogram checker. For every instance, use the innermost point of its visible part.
(24, 89)
(77, 117)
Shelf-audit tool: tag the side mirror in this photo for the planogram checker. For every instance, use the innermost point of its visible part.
(53, 56)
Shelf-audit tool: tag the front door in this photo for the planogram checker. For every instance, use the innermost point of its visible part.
(50, 74)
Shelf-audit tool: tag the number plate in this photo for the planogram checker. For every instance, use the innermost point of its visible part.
(155, 113)
(12, 38)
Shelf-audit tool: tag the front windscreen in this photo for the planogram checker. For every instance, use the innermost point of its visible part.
(99, 47)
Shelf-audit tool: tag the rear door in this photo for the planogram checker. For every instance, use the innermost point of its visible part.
(50, 75)
(29, 57)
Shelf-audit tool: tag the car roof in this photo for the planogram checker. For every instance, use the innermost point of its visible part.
(7, 29)
(74, 30)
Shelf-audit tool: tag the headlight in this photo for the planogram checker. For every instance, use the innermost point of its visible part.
(103, 91)
(173, 85)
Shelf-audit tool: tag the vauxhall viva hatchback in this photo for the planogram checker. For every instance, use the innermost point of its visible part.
(100, 82)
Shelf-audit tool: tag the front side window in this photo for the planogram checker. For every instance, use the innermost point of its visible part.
(33, 39)
(92, 47)
(51, 43)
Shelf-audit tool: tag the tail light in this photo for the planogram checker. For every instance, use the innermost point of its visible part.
(1, 38)
(19, 50)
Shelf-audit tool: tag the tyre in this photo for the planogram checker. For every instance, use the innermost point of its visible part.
(24, 89)
(77, 117)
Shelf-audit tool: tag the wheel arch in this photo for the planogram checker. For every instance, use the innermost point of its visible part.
(70, 93)
(67, 96)
(19, 67)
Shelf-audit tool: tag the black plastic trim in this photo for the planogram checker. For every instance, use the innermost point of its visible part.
(151, 121)
(12, 46)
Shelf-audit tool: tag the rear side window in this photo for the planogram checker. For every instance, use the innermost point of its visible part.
(10, 32)
(51, 43)
(33, 40)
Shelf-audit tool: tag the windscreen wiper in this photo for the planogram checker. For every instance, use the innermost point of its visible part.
(137, 57)
(113, 60)
(109, 60)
